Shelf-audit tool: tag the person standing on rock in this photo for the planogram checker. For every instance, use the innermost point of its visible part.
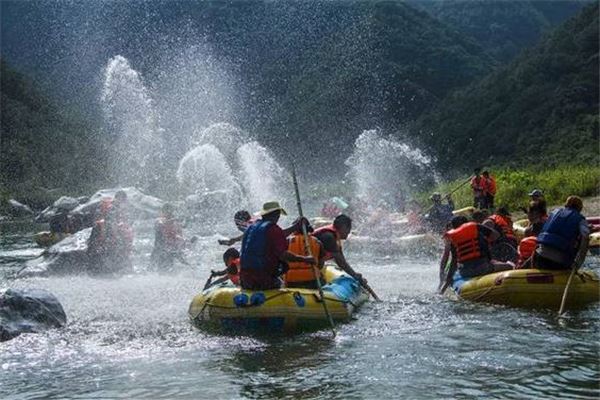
(111, 241)
(168, 241)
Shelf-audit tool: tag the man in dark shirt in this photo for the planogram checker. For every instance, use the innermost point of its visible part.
(264, 250)
(331, 237)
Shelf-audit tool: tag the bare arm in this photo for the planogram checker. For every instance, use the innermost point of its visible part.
(584, 231)
(229, 242)
(341, 262)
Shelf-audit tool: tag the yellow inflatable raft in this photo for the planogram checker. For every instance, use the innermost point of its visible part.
(232, 310)
(530, 288)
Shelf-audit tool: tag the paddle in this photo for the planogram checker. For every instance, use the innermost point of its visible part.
(208, 281)
(576, 264)
(459, 186)
(307, 249)
(561, 310)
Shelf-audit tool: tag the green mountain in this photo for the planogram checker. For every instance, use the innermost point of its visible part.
(503, 28)
(43, 145)
(540, 109)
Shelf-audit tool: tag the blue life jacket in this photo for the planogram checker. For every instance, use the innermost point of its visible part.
(561, 231)
(254, 246)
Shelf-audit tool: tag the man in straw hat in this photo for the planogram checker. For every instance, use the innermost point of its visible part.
(264, 250)
(564, 239)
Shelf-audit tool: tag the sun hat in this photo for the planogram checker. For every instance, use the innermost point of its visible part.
(271, 206)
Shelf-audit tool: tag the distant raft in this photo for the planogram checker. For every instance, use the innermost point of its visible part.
(530, 288)
(594, 245)
(230, 309)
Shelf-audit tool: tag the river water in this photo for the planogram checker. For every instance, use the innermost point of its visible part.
(131, 338)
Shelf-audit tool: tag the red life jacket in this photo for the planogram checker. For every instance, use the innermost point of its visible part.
(504, 224)
(171, 233)
(329, 228)
(490, 185)
(121, 236)
(235, 278)
(301, 271)
(477, 184)
(526, 248)
(467, 241)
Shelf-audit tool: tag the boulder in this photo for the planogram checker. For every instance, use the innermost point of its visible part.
(65, 257)
(29, 311)
(62, 205)
(141, 206)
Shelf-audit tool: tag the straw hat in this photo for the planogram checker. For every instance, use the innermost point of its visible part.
(271, 206)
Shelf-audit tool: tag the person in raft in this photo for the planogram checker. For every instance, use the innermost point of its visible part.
(331, 237)
(265, 254)
(564, 239)
(242, 220)
(231, 258)
(467, 244)
(505, 248)
(301, 274)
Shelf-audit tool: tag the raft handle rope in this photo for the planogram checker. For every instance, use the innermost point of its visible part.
(270, 298)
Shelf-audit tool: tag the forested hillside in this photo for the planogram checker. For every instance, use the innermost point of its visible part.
(540, 109)
(43, 145)
(303, 77)
(502, 28)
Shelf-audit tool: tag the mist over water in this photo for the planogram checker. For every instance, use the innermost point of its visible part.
(382, 169)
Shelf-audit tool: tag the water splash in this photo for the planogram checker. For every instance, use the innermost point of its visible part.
(383, 170)
(262, 177)
(204, 169)
(226, 171)
(130, 118)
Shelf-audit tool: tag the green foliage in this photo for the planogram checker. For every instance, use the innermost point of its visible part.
(540, 109)
(513, 185)
(505, 27)
(44, 146)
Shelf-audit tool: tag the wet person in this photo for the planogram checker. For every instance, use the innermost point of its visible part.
(242, 220)
(331, 237)
(111, 241)
(564, 239)
(439, 214)
(265, 250)
(467, 249)
(231, 273)
(168, 241)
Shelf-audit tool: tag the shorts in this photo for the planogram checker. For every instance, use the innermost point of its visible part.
(474, 268)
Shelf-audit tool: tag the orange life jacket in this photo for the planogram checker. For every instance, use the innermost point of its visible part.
(504, 224)
(467, 241)
(235, 278)
(526, 248)
(301, 271)
(329, 228)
